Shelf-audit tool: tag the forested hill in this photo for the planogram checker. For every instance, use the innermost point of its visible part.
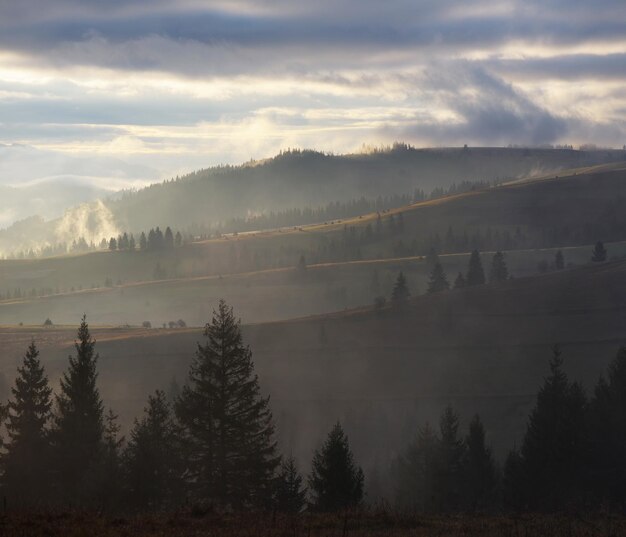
(309, 179)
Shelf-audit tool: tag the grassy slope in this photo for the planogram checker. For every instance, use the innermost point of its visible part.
(483, 350)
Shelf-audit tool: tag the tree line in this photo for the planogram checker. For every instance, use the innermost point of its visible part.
(213, 445)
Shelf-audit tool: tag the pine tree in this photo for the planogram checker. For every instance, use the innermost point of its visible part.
(400, 292)
(24, 463)
(599, 253)
(335, 481)
(475, 272)
(608, 433)
(178, 239)
(460, 281)
(555, 444)
(479, 473)
(228, 422)
(559, 261)
(450, 457)
(143, 242)
(290, 493)
(499, 270)
(113, 244)
(438, 280)
(79, 426)
(152, 460)
(415, 472)
(131, 243)
(168, 239)
(110, 476)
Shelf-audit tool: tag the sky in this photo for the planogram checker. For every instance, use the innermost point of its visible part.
(114, 94)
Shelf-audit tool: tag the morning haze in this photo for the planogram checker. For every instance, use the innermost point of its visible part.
(275, 268)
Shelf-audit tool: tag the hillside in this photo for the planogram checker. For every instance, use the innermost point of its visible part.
(292, 180)
(529, 219)
(483, 349)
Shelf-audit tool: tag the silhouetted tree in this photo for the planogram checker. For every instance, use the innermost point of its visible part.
(400, 292)
(475, 272)
(290, 492)
(110, 472)
(336, 482)
(559, 261)
(479, 472)
(25, 472)
(608, 433)
(460, 281)
(113, 244)
(143, 241)
(599, 253)
(168, 239)
(438, 280)
(153, 459)
(555, 445)
(450, 458)
(415, 472)
(178, 239)
(499, 270)
(228, 423)
(79, 427)
(131, 243)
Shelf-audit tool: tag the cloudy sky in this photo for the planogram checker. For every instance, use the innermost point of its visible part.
(115, 93)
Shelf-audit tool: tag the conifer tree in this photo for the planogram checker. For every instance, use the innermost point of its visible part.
(400, 292)
(143, 242)
(555, 445)
(479, 473)
(153, 458)
(450, 458)
(438, 279)
(608, 433)
(290, 493)
(499, 270)
(475, 272)
(460, 281)
(599, 253)
(25, 461)
(113, 244)
(559, 261)
(131, 243)
(110, 478)
(79, 426)
(178, 239)
(168, 239)
(336, 482)
(415, 472)
(229, 424)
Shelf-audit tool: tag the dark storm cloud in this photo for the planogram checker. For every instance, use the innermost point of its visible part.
(290, 35)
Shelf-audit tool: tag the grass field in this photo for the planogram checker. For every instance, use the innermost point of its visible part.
(378, 523)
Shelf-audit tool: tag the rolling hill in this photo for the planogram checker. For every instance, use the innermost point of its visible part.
(383, 373)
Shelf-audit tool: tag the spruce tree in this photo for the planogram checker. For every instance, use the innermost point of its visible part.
(479, 472)
(499, 270)
(438, 279)
(559, 261)
(153, 458)
(415, 472)
(555, 445)
(599, 253)
(608, 433)
(450, 457)
(460, 281)
(475, 272)
(400, 292)
(79, 426)
(336, 482)
(143, 242)
(290, 493)
(229, 424)
(168, 239)
(25, 472)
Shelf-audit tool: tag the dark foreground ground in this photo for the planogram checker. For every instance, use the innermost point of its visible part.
(196, 524)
